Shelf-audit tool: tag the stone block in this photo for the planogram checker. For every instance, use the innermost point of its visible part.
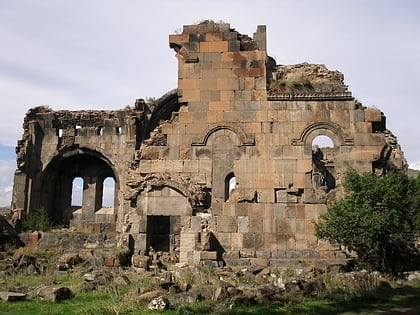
(12, 296)
(208, 255)
(196, 224)
(268, 226)
(247, 253)
(227, 95)
(373, 115)
(190, 96)
(263, 254)
(253, 241)
(234, 45)
(243, 224)
(211, 57)
(233, 254)
(195, 128)
(259, 261)
(270, 241)
(291, 242)
(213, 37)
(309, 226)
(225, 239)
(228, 209)
(252, 127)
(179, 38)
(255, 225)
(222, 105)
(241, 209)
(227, 224)
(259, 95)
(214, 46)
(300, 226)
(236, 241)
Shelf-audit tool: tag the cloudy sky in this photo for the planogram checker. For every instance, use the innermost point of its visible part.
(103, 54)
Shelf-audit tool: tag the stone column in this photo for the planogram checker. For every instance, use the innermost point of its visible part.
(89, 199)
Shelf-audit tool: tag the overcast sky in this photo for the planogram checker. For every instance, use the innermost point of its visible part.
(103, 54)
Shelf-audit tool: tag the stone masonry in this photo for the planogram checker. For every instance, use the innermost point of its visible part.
(225, 168)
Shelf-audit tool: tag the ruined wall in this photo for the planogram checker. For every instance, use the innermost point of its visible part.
(58, 146)
(223, 168)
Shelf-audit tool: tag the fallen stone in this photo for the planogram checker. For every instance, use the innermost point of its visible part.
(89, 286)
(188, 297)
(89, 277)
(220, 293)
(70, 259)
(32, 270)
(55, 293)
(148, 296)
(141, 261)
(158, 304)
(12, 296)
(413, 276)
(267, 290)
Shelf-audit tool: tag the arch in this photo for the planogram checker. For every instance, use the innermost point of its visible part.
(165, 106)
(325, 128)
(165, 200)
(178, 187)
(244, 139)
(57, 184)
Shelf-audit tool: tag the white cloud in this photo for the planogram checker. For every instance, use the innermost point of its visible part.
(415, 165)
(7, 169)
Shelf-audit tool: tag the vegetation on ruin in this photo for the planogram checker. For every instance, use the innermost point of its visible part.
(379, 219)
(37, 220)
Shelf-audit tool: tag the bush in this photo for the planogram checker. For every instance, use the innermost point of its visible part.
(379, 219)
(37, 220)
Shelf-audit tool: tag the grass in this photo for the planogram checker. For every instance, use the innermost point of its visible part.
(105, 301)
(115, 298)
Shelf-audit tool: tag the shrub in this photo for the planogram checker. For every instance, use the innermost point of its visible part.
(379, 219)
(37, 220)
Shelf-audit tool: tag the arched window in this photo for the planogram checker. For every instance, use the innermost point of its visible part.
(108, 192)
(230, 184)
(77, 192)
(323, 142)
(323, 173)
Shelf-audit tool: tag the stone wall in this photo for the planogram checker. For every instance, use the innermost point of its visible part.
(225, 168)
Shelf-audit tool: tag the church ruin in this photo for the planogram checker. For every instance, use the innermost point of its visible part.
(223, 168)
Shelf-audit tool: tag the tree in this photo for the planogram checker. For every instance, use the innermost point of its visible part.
(379, 219)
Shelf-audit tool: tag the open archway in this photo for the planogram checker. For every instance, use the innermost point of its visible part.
(73, 187)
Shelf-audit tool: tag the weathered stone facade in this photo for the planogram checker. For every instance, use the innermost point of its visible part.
(222, 168)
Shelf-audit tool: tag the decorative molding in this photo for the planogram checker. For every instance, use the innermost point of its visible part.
(335, 130)
(245, 140)
(342, 96)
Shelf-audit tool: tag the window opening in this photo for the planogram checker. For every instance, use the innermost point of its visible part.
(77, 192)
(323, 173)
(108, 192)
(230, 184)
(60, 132)
(77, 129)
(118, 130)
(100, 131)
(323, 142)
